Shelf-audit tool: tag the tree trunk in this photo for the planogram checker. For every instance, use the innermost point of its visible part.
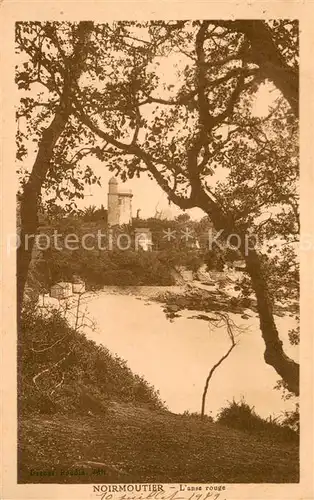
(30, 198)
(274, 354)
(32, 189)
(268, 57)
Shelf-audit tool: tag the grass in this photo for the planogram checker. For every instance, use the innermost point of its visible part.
(133, 444)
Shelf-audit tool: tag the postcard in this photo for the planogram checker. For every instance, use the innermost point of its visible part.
(157, 250)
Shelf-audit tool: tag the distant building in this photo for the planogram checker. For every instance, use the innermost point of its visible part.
(61, 290)
(143, 239)
(119, 205)
(78, 285)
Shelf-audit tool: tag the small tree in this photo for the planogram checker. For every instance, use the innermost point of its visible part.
(232, 331)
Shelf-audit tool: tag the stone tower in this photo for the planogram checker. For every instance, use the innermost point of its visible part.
(119, 204)
(113, 202)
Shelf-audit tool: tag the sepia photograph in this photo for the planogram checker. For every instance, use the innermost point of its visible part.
(157, 251)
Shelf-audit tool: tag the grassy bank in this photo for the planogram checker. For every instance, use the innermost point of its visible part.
(132, 444)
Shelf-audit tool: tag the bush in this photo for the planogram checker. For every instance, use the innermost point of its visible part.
(292, 418)
(196, 415)
(214, 260)
(60, 370)
(240, 415)
(193, 261)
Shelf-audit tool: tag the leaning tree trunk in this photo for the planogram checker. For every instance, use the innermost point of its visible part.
(274, 354)
(30, 199)
(32, 189)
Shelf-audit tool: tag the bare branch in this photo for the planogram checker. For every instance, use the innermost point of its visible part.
(47, 370)
(50, 347)
(230, 325)
(58, 385)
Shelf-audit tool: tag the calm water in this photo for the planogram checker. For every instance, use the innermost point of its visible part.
(176, 356)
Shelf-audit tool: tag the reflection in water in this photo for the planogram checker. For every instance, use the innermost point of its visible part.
(175, 356)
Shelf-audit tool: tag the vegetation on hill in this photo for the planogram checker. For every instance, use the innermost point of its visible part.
(240, 415)
(98, 269)
(60, 371)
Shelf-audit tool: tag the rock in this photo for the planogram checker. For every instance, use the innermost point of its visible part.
(172, 308)
(202, 316)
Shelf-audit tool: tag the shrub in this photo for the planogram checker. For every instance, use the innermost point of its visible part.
(214, 260)
(193, 261)
(196, 415)
(240, 415)
(292, 418)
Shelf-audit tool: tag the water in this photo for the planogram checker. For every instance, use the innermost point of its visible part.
(176, 356)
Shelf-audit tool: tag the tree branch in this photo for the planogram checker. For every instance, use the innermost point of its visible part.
(136, 150)
(46, 370)
(229, 325)
(50, 347)
(268, 57)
